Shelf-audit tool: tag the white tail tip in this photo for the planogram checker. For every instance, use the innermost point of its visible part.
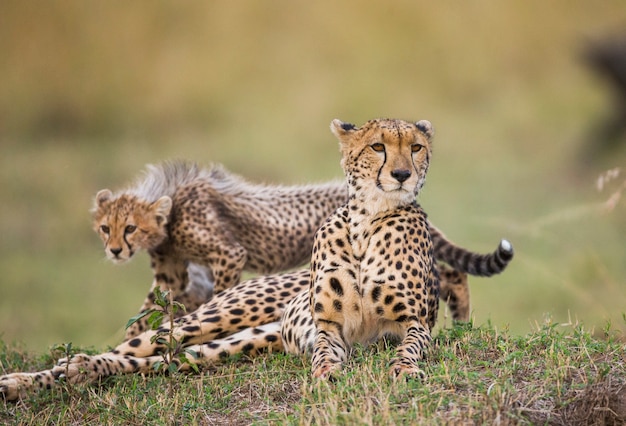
(506, 245)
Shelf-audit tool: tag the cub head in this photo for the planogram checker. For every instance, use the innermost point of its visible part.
(127, 223)
(385, 159)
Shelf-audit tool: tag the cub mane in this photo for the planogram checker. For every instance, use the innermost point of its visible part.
(165, 178)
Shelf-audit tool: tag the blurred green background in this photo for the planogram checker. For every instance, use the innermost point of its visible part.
(92, 91)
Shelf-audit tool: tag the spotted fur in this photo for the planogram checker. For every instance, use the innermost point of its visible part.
(373, 272)
(203, 227)
(354, 277)
(247, 318)
(210, 224)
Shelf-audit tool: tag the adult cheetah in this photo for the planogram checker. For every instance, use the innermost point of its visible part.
(373, 272)
(247, 317)
(207, 225)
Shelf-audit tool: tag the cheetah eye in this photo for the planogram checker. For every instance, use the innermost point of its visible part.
(130, 229)
(378, 147)
(416, 148)
(105, 229)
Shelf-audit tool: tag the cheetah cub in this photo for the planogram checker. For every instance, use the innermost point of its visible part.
(202, 227)
(373, 272)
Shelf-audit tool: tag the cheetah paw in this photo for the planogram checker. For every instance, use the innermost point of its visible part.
(326, 370)
(78, 368)
(399, 370)
(14, 386)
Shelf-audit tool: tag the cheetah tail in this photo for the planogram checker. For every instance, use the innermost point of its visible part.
(463, 260)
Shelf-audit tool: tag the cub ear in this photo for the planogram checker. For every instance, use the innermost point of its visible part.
(341, 129)
(426, 128)
(161, 209)
(102, 197)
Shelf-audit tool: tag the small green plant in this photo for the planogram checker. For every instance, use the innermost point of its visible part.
(66, 349)
(174, 353)
(68, 352)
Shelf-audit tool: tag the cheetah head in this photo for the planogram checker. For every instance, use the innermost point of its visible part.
(126, 224)
(385, 160)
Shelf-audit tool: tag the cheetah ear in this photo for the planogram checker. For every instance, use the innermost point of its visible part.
(341, 129)
(426, 128)
(161, 209)
(102, 197)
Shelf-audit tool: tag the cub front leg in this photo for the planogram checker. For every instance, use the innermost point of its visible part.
(227, 263)
(170, 274)
(214, 246)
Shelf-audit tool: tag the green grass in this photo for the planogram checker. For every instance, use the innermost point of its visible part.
(557, 374)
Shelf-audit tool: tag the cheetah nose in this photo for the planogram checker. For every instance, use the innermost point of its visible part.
(401, 174)
(115, 251)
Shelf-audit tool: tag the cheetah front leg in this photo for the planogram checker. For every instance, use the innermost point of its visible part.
(213, 332)
(297, 327)
(332, 294)
(221, 269)
(82, 368)
(17, 385)
(170, 274)
(330, 350)
(411, 350)
(227, 263)
(215, 248)
(79, 368)
(250, 341)
(200, 287)
(173, 275)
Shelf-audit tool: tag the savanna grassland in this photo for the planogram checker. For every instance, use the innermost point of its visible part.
(90, 93)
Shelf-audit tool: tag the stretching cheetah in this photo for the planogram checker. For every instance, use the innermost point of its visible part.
(188, 217)
(247, 317)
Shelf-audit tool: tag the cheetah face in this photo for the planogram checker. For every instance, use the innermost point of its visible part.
(385, 159)
(127, 224)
